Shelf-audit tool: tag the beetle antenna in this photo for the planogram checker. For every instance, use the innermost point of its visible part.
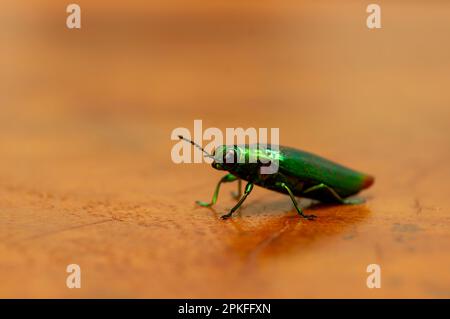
(196, 145)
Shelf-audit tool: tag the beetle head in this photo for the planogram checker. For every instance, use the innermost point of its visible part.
(241, 159)
(227, 158)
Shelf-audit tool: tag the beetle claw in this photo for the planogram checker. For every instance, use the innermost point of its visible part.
(309, 217)
(236, 195)
(203, 204)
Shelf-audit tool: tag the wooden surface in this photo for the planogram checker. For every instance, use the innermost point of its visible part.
(85, 169)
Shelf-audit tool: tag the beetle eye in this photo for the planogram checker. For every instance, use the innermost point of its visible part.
(230, 157)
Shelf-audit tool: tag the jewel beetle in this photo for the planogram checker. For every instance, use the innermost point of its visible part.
(299, 174)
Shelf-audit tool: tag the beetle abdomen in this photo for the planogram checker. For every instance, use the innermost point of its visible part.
(313, 170)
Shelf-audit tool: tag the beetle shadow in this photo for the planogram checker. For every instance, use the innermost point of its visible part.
(265, 230)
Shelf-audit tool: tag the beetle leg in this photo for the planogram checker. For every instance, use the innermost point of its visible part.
(239, 192)
(226, 179)
(247, 191)
(299, 210)
(335, 195)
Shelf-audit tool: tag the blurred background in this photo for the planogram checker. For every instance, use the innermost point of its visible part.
(86, 175)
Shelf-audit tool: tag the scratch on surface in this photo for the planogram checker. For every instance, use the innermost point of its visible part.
(38, 236)
(405, 228)
(266, 242)
(417, 206)
(378, 252)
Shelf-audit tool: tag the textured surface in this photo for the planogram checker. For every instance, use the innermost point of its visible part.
(85, 169)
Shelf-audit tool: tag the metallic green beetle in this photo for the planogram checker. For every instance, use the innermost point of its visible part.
(299, 174)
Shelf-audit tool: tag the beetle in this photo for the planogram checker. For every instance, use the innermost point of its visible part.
(299, 173)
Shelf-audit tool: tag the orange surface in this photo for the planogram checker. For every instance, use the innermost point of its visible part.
(85, 169)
